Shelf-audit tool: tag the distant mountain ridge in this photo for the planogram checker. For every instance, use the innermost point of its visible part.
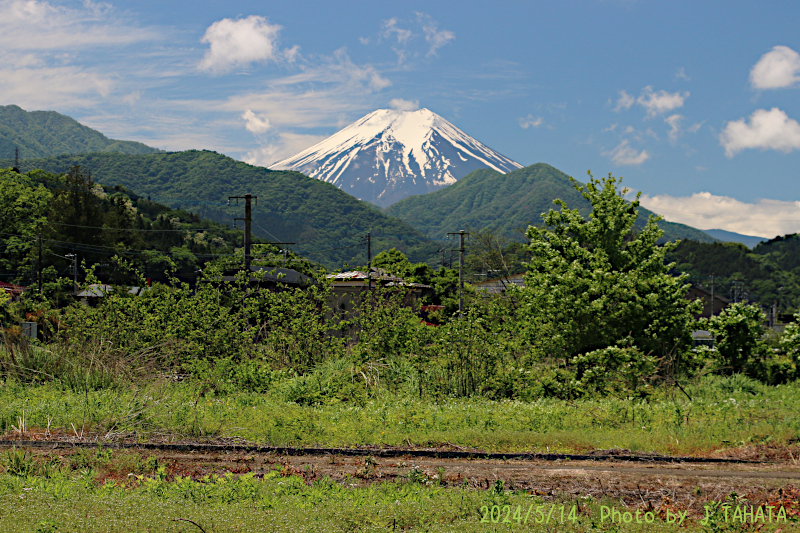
(388, 155)
(47, 133)
(328, 225)
(751, 241)
(507, 203)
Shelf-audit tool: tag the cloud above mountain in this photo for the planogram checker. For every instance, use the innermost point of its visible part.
(240, 42)
(625, 154)
(765, 130)
(763, 218)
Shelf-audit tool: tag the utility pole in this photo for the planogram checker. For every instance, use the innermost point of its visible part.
(461, 234)
(247, 223)
(369, 261)
(712, 296)
(39, 266)
(74, 269)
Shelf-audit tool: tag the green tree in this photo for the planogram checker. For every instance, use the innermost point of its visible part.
(738, 332)
(443, 282)
(596, 284)
(23, 213)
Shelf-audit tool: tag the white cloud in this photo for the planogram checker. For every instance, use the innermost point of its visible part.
(404, 105)
(255, 123)
(657, 103)
(39, 25)
(292, 54)
(530, 122)
(681, 74)
(625, 101)
(317, 96)
(240, 42)
(53, 87)
(625, 154)
(766, 130)
(286, 145)
(764, 218)
(435, 37)
(132, 97)
(780, 67)
(294, 107)
(674, 123)
(390, 28)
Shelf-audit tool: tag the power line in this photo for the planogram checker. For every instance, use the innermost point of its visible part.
(136, 229)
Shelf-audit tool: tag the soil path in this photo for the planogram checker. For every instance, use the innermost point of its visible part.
(652, 485)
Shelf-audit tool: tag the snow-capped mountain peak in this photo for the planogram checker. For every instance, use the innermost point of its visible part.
(388, 155)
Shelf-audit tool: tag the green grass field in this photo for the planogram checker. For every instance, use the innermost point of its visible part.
(723, 413)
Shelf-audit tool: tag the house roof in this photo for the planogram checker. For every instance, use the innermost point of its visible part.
(706, 292)
(498, 285)
(261, 274)
(98, 290)
(377, 274)
(11, 287)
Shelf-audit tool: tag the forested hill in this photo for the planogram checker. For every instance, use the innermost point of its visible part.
(769, 273)
(506, 203)
(72, 215)
(47, 133)
(328, 225)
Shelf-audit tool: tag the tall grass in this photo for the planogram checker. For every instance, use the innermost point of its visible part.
(87, 366)
(724, 412)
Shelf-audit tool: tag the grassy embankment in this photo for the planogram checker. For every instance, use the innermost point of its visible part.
(723, 413)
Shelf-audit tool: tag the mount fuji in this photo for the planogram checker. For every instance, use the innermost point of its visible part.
(388, 155)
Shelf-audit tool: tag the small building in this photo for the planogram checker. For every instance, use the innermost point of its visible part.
(500, 285)
(268, 277)
(94, 291)
(698, 292)
(15, 291)
(701, 337)
(348, 288)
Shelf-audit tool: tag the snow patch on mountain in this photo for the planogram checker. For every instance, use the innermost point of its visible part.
(390, 154)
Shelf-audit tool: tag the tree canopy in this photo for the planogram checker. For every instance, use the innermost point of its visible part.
(598, 284)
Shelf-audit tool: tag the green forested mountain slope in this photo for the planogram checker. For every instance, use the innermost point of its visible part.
(74, 215)
(328, 225)
(47, 133)
(506, 203)
(767, 274)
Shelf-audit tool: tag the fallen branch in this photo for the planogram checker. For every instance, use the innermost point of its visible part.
(191, 522)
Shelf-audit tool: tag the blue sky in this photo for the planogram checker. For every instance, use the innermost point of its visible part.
(695, 104)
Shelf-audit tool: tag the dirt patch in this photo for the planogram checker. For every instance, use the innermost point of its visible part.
(656, 486)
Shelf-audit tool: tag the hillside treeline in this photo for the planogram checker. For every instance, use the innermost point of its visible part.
(327, 225)
(768, 274)
(64, 214)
